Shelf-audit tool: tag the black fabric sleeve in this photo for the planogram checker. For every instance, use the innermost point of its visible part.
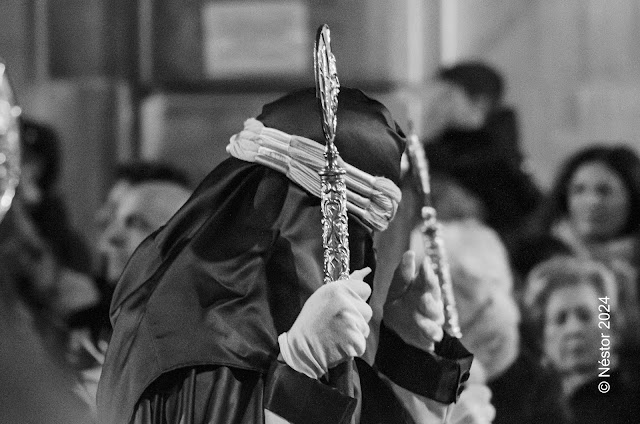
(439, 376)
(303, 400)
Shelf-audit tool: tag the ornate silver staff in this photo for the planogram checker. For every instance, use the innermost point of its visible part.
(335, 235)
(335, 231)
(431, 232)
(9, 142)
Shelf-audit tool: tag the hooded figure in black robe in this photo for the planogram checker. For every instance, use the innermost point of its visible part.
(198, 309)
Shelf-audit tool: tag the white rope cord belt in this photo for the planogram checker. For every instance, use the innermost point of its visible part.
(373, 199)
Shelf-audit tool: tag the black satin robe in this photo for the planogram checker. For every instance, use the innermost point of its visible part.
(200, 305)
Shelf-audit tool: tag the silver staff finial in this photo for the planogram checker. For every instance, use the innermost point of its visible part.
(335, 234)
(9, 142)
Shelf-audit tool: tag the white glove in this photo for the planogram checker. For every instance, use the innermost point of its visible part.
(332, 327)
(414, 308)
(473, 407)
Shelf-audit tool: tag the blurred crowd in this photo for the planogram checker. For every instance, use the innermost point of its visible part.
(57, 287)
(546, 282)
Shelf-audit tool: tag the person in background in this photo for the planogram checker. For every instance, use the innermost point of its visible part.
(30, 265)
(135, 206)
(40, 232)
(36, 386)
(41, 164)
(593, 207)
(223, 316)
(593, 212)
(141, 200)
(489, 316)
(573, 303)
(40, 251)
(139, 185)
(471, 140)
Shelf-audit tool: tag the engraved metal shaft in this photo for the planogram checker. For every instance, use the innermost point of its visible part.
(432, 236)
(335, 234)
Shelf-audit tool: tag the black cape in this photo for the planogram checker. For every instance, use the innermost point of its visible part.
(203, 300)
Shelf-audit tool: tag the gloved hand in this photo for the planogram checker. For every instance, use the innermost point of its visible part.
(473, 407)
(332, 327)
(413, 308)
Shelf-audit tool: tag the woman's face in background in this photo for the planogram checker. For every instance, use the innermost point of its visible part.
(571, 333)
(598, 202)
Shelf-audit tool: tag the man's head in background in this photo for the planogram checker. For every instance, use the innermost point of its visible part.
(142, 199)
(480, 91)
